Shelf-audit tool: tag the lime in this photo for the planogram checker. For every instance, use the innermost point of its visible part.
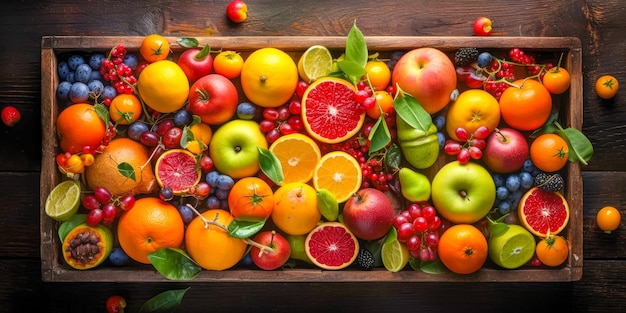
(315, 62)
(63, 201)
(395, 254)
(511, 247)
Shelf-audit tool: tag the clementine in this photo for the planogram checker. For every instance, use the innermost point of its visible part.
(295, 208)
(473, 108)
(527, 106)
(462, 249)
(79, 126)
(125, 109)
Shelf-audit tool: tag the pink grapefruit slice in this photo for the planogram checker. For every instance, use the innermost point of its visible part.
(330, 112)
(543, 212)
(177, 169)
(331, 246)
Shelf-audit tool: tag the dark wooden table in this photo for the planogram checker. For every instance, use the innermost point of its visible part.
(599, 24)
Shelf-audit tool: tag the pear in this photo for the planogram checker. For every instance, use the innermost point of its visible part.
(419, 148)
(296, 243)
(414, 186)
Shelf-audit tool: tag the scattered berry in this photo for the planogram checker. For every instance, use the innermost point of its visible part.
(10, 115)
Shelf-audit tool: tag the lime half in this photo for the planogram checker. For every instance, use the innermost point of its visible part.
(315, 62)
(395, 254)
(513, 248)
(63, 201)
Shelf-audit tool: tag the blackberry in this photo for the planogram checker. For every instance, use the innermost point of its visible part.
(549, 182)
(365, 259)
(465, 56)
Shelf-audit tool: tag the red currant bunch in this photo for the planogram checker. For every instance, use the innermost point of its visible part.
(469, 146)
(114, 70)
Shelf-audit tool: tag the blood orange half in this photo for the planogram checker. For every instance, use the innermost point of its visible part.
(177, 169)
(331, 246)
(330, 112)
(543, 212)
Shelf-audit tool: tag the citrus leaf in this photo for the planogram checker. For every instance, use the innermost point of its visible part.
(270, 165)
(352, 70)
(549, 127)
(67, 226)
(379, 135)
(188, 42)
(126, 170)
(103, 113)
(412, 112)
(174, 264)
(393, 157)
(356, 47)
(328, 205)
(244, 229)
(164, 302)
(580, 148)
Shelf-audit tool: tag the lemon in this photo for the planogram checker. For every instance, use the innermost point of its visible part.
(269, 77)
(395, 255)
(314, 63)
(163, 86)
(63, 201)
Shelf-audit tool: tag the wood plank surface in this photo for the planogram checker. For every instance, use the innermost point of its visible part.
(599, 25)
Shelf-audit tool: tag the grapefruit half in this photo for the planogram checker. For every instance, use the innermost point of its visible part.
(331, 246)
(177, 169)
(543, 212)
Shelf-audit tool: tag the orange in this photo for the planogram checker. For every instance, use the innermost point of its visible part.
(151, 224)
(295, 208)
(125, 109)
(462, 249)
(549, 152)
(378, 73)
(78, 126)
(104, 171)
(154, 47)
(606, 86)
(163, 86)
(608, 219)
(251, 199)
(473, 108)
(210, 245)
(298, 155)
(269, 77)
(526, 107)
(339, 173)
(552, 250)
(557, 80)
(202, 134)
(384, 104)
(228, 64)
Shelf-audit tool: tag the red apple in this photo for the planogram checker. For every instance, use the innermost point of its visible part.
(506, 150)
(196, 62)
(482, 26)
(214, 98)
(428, 75)
(270, 260)
(237, 11)
(368, 214)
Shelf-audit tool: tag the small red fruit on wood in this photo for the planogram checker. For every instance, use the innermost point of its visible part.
(237, 11)
(482, 26)
(10, 115)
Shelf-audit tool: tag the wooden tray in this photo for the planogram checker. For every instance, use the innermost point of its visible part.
(54, 270)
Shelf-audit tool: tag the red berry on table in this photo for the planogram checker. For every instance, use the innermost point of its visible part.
(482, 26)
(237, 11)
(115, 304)
(10, 115)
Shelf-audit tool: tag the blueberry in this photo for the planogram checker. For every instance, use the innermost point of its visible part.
(95, 75)
(526, 180)
(182, 118)
(441, 138)
(504, 207)
(221, 194)
(186, 213)
(246, 111)
(512, 182)
(225, 182)
(131, 60)
(74, 61)
(63, 90)
(246, 261)
(109, 92)
(96, 87)
(212, 203)
(529, 166)
(70, 77)
(499, 179)
(95, 61)
(440, 121)
(63, 69)
(224, 204)
(211, 178)
(484, 59)
(136, 129)
(118, 257)
(79, 92)
(515, 197)
(83, 73)
(501, 193)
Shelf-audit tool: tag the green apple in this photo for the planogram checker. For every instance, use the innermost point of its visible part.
(414, 186)
(296, 243)
(233, 148)
(463, 193)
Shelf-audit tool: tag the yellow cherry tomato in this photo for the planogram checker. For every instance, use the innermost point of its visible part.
(557, 80)
(228, 64)
(608, 219)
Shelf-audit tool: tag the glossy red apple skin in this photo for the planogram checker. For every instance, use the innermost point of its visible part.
(368, 214)
(428, 75)
(195, 63)
(214, 98)
(482, 26)
(506, 150)
(237, 11)
(270, 260)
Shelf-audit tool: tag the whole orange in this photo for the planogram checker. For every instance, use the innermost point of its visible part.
(463, 249)
(210, 245)
(549, 152)
(473, 108)
(295, 208)
(552, 250)
(269, 77)
(150, 225)
(527, 106)
(125, 109)
(79, 126)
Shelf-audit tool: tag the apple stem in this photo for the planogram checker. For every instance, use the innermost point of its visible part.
(504, 138)
(260, 246)
(463, 193)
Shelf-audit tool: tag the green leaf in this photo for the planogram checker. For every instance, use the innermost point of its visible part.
(412, 112)
(430, 267)
(549, 126)
(103, 113)
(244, 229)
(188, 42)
(165, 302)
(356, 47)
(379, 135)
(270, 165)
(70, 224)
(393, 157)
(351, 68)
(580, 148)
(328, 205)
(174, 264)
(126, 170)
(203, 53)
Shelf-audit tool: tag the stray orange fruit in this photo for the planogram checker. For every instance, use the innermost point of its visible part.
(549, 152)
(125, 109)
(339, 173)
(298, 155)
(608, 219)
(462, 249)
(295, 208)
(154, 48)
(552, 250)
(607, 86)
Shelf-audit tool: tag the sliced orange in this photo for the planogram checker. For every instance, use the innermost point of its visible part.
(543, 212)
(298, 155)
(339, 173)
(177, 169)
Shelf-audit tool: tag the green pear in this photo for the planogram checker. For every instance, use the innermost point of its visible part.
(296, 243)
(420, 148)
(415, 186)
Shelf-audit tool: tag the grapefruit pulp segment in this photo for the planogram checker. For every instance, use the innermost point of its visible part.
(543, 212)
(331, 246)
(177, 169)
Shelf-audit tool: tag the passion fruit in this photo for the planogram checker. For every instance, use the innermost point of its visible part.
(86, 247)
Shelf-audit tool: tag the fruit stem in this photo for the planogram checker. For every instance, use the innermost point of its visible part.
(260, 246)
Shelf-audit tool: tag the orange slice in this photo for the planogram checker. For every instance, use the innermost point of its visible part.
(298, 155)
(339, 173)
